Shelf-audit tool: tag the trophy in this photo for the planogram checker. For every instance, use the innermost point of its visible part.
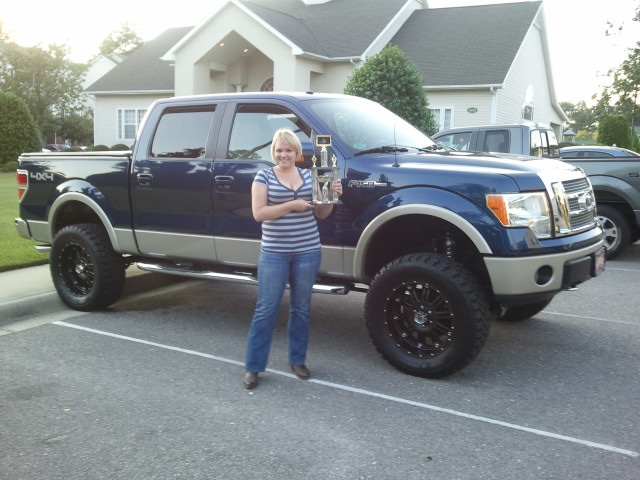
(324, 175)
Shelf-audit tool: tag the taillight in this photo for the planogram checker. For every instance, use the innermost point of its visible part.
(22, 177)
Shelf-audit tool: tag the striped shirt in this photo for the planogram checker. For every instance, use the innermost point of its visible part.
(294, 232)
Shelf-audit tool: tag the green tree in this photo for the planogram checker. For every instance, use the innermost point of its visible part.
(392, 80)
(614, 130)
(77, 126)
(581, 116)
(50, 84)
(18, 132)
(122, 41)
(621, 97)
(626, 85)
(583, 136)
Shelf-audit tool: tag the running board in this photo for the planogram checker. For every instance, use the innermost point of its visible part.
(239, 277)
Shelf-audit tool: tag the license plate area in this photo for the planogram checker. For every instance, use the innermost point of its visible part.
(599, 262)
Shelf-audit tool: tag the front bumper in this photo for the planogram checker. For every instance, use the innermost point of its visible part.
(544, 274)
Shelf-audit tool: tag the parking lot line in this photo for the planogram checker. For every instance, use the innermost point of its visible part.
(369, 393)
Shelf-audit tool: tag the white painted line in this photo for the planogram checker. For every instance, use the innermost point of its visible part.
(582, 317)
(368, 393)
(622, 269)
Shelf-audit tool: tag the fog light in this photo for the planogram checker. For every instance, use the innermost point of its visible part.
(543, 275)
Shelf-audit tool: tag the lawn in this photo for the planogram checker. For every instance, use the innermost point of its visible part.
(17, 252)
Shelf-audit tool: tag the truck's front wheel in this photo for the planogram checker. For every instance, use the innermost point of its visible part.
(87, 273)
(427, 315)
(617, 233)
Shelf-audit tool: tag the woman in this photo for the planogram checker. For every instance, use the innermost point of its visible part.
(289, 253)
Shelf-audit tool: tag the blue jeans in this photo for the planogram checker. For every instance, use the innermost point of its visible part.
(275, 270)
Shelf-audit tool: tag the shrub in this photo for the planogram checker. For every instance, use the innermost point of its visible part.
(120, 146)
(99, 148)
(614, 130)
(18, 131)
(392, 80)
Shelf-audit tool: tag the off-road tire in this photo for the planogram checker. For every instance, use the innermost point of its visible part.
(427, 315)
(87, 273)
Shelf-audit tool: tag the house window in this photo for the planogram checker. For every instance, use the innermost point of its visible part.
(267, 85)
(443, 117)
(527, 106)
(128, 122)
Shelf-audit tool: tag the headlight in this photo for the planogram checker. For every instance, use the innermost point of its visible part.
(522, 210)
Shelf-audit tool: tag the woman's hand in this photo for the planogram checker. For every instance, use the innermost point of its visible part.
(301, 205)
(337, 187)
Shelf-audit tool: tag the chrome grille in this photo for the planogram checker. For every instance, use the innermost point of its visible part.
(572, 200)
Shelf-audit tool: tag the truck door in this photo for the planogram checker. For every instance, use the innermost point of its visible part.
(171, 185)
(249, 128)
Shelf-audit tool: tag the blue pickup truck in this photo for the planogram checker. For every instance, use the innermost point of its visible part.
(441, 242)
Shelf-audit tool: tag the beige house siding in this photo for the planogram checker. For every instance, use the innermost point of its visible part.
(105, 121)
(461, 101)
(529, 71)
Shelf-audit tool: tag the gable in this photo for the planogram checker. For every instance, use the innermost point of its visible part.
(462, 46)
(336, 29)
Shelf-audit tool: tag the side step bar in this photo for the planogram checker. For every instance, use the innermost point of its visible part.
(232, 277)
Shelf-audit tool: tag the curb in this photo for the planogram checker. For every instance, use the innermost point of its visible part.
(137, 281)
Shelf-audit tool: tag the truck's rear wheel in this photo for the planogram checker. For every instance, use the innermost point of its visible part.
(427, 315)
(87, 273)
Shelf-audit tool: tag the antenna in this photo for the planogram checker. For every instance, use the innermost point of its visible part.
(395, 150)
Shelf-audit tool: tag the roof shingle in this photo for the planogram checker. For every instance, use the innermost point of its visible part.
(143, 70)
(466, 45)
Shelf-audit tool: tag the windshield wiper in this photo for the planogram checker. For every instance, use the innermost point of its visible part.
(382, 149)
(431, 148)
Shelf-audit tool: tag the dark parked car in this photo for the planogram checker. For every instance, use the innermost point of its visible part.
(615, 176)
(595, 151)
(56, 147)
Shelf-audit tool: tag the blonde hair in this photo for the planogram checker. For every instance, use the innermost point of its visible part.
(286, 135)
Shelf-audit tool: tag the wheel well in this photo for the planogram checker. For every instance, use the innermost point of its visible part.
(423, 233)
(72, 213)
(619, 203)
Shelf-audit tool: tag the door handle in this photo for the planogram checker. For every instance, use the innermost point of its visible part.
(144, 179)
(224, 182)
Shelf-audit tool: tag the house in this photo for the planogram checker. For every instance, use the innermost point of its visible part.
(98, 68)
(481, 64)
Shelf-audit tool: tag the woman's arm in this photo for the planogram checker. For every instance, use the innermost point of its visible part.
(263, 211)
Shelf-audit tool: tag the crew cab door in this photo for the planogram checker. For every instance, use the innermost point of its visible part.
(171, 183)
(244, 148)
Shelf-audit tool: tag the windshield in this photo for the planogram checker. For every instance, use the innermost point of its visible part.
(362, 125)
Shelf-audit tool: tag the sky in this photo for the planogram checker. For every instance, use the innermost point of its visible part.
(580, 52)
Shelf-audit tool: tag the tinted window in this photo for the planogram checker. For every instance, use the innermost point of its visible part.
(496, 141)
(536, 144)
(182, 132)
(456, 141)
(254, 126)
(552, 148)
(592, 154)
